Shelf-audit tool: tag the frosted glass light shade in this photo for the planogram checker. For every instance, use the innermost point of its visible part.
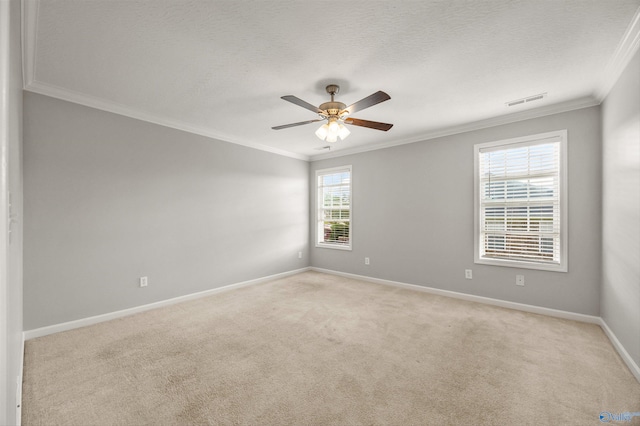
(343, 132)
(323, 131)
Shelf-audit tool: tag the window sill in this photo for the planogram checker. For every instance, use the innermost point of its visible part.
(522, 265)
(333, 246)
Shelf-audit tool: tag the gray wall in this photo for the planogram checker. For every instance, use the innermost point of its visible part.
(11, 288)
(620, 305)
(109, 199)
(413, 217)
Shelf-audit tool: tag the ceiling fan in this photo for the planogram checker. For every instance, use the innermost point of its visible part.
(337, 114)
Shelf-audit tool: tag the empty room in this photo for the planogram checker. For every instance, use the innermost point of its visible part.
(319, 213)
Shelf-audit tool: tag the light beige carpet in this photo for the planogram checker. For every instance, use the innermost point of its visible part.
(316, 349)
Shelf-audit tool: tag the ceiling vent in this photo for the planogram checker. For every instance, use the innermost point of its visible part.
(527, 99)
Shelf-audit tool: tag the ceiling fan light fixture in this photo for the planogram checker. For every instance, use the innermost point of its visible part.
(332, 130)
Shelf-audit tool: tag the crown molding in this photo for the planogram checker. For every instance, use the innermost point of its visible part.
(625, 51)
(566, 106)
(113, 107)
(109, 106)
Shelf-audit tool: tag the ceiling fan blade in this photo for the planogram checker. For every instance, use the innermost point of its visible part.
(367, 102)
(370, 124)
(284, 126)
(300, 102)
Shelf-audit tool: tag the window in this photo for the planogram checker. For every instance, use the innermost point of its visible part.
(334, 208)
(521, 202)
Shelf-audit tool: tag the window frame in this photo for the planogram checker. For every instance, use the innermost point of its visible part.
(318, 208)
(563, 265)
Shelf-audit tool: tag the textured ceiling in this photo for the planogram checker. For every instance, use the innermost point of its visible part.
(218, 68)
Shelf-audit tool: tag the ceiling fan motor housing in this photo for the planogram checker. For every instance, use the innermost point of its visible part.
(333, 108)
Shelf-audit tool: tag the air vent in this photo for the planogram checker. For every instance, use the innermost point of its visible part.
(527, 99)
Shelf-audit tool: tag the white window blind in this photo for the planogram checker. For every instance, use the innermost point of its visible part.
(520, 195)
(334, 208)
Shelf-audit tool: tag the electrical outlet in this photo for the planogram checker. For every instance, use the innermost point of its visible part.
(520, 280)
(299, 255)
(366, 260)
(468, 274)
(144, 281)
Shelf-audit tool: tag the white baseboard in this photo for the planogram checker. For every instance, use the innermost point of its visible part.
(19, 386)
(472, 298)
(31, 334)
(70, 325)
(635, 370)
(633, 367)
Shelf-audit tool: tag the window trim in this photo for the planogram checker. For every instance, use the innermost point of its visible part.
(563, 266)
(331, 170)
